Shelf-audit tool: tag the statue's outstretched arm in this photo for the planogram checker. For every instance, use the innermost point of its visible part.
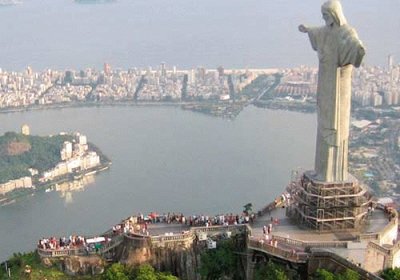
(303, 28)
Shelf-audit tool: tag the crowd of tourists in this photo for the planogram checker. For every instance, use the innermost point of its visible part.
(220, 220)
(74, 242)
(140, 224)
(53, 243)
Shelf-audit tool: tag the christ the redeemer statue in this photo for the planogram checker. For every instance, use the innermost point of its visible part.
(339, 49)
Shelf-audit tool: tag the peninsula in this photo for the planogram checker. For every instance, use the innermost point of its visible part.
(32, 163)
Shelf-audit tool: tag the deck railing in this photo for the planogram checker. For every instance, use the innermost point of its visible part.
(299, 257)
(173, 238)
(218, 228)
(54, 253)
(118, 239)
(79, 251)
(340, 260)
(309, 244)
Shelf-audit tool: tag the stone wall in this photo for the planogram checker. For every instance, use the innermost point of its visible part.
(380, 257)
(375, 257)
(179, 257)
(390, 232)
(179, 254)
(336, 264)
(78, 265)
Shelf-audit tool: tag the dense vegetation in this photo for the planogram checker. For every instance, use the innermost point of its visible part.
(274, 271)
(270, 271)
(19, 152)
(221, 263)
(224, 262)
(391, 274)
(256, 87)
(118, 271)
(20, 265)
(323, 274)
(28, 266)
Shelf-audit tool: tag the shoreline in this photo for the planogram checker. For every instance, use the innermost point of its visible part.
(208, 108)
(87, 105)
(18, 194)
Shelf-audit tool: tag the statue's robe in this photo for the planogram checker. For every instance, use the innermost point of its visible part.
(339, 49)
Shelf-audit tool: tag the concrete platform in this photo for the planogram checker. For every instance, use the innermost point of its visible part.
(355, 250)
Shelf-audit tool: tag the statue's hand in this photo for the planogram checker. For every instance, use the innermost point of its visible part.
(362, 51)
(303, 28)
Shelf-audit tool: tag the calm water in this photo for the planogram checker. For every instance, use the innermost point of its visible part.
(164, 159)
(61, 34)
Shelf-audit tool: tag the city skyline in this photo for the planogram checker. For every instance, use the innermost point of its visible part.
(372, 85)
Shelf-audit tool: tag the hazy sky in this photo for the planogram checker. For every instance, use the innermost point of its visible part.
(187, 33)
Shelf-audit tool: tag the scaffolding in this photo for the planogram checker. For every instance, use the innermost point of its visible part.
(326, 206)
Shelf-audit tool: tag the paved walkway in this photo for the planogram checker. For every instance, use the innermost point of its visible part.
(286, 228)
(163, 228)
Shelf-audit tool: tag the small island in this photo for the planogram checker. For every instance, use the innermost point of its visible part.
(32, 163)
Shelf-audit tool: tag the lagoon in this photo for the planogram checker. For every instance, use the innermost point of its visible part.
(164, 159)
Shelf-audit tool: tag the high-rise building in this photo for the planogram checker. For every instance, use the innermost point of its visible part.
(395, 97)
(25, 129)
(192, 77)
(201, 73)
(387, 97)
(377, 99)
(66, 152)
(29, 71)
(69, 77)
(396, 74)
(221, 71)
(107, 69)
(390, 62)
(163, 69)
(82, 139)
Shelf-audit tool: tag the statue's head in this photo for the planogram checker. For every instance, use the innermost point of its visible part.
(332, 13)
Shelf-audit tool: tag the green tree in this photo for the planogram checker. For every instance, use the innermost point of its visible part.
(221, 262)
(42, 154)
(322, 274)
(147, 272)
(248, 208)
(116, 271)
(270, 271)
(391, 274)
(166, 276)
(348, 275)
(20, 262)
(255, 87)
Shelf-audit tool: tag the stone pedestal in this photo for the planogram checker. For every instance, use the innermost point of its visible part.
(329, 206)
